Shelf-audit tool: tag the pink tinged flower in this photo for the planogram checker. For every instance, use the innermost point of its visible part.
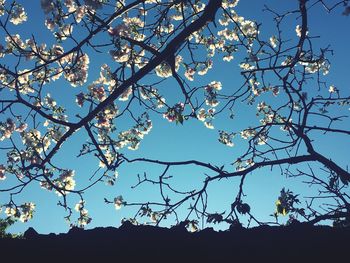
(250, 162)
(7, 134)
(190, 73)
(125, 95)
(10, 124)
(118, 202)
(201, 115)
(119, 30)
(20, 175)
(169, 117)
(99, 93)
(80, 13)
(102, 121)
(34, 160)
(175, 113)
(22, 127)
(80, 99)
(211, 111)
(113, 31)
(275, 91)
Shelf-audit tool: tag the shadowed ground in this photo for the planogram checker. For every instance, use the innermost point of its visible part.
(150, 244)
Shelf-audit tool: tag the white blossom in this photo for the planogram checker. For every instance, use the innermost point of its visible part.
(273, 41)
(17, 15)
(118, 202)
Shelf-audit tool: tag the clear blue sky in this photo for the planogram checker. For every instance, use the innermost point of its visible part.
(192, 140)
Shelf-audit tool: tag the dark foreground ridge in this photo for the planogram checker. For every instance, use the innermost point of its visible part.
(154, 244)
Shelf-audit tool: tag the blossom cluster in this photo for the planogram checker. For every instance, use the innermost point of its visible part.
(84, 217)
(22, 212)
(248, 133)
(206, 117)
(17, 15)
(98, 90)
(63, 184)
(110, 179)
(271, 116)
(118, 202)
(241, 164)
(57, 16)
(34, 141)
(133, 136)
(259, 138)
(78, 73)
(154, 216)
(130, 28)
(226, 138)
(74, 66)
(8, 127)
(126, 94)
(152, 95)
(321, 65)
(109, 158)
(16, 12)
(249, 28)
(175, 113)
(211, 93)
(164, 69)
(106, 116)
(122, 54)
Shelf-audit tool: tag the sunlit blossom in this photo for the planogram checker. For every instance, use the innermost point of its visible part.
(249, 28)
(18, 15)
(175, 113)
(2, 172)
(273, 41)
(209, 124)
(2, 7)
(226, 138)
(190, 73)
(118, 202)
(332, 89)
(164, 70)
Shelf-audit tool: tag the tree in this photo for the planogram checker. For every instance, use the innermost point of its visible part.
(153, 43)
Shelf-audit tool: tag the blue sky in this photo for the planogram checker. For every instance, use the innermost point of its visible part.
(192, 140)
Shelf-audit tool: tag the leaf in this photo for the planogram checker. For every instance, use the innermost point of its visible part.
(180, 118)
(215, 218)
(243, 208)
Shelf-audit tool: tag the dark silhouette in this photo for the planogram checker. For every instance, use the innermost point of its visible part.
(295, 243)
(148, 42)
